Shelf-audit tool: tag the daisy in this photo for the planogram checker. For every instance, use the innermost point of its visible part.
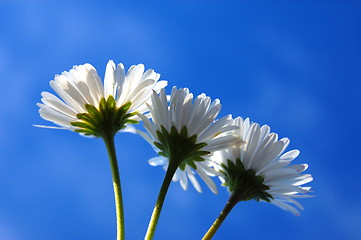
(185, 133)
(88, 107)
(260, 170)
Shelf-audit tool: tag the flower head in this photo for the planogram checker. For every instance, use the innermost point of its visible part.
(261, 170)
(88, 107)
(185, 133)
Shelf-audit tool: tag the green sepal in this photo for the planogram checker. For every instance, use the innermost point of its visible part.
(126, 106)
(192, 164)
(130, 121)
(160, 136)
(111, 109)
(203, 153)
(102, 106)
(198, 158)
(164, 131)
(184, 132)
(83, 125)
(159, 146)
(86, 117)
(162, 154)
(193, 140)
(173, 131)
(182, 166)
(93, 111)
(200, 146)
(85, 132)
(111, 104)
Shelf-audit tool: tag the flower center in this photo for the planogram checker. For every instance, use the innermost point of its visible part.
(244, 183)
(180, 148)
(105, 120)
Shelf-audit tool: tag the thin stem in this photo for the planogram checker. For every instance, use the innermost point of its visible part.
(109, 142)
(232, 201)
(159, 204)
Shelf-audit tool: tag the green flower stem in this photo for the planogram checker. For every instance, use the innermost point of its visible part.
(159, 204)
(232, 201)
(109, 142)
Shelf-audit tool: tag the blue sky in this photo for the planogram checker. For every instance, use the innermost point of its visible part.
(294, 65)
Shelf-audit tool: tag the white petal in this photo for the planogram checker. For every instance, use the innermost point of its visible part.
(183, 180)
(52, 115)
(79, 77)
(138, 91)
(65, 96)
(95, 84)
(134, 74)
(303, 179)
(55, 103)
(129, 129)
(207, 180)
(286, 207)
(222, 143)
(146, 137)
(207, 169)
(156, 161)
(270, 152)
(148, 125)
(159, 85)
(177, 175)
(52, 127)
(66, 85)
(251, 145)
(207, 119)
(109, 80)
(193, 180)
(265, 131)
(217, 128)
(289, 156)
(120, 77)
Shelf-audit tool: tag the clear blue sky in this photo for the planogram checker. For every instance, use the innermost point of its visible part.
(294, 65)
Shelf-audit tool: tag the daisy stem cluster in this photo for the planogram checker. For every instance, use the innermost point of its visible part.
(160, 200)
(248, 158)
(109, 143)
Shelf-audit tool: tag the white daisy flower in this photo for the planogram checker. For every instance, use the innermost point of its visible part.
(261, 170)
(185, 133)
(88, 107)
